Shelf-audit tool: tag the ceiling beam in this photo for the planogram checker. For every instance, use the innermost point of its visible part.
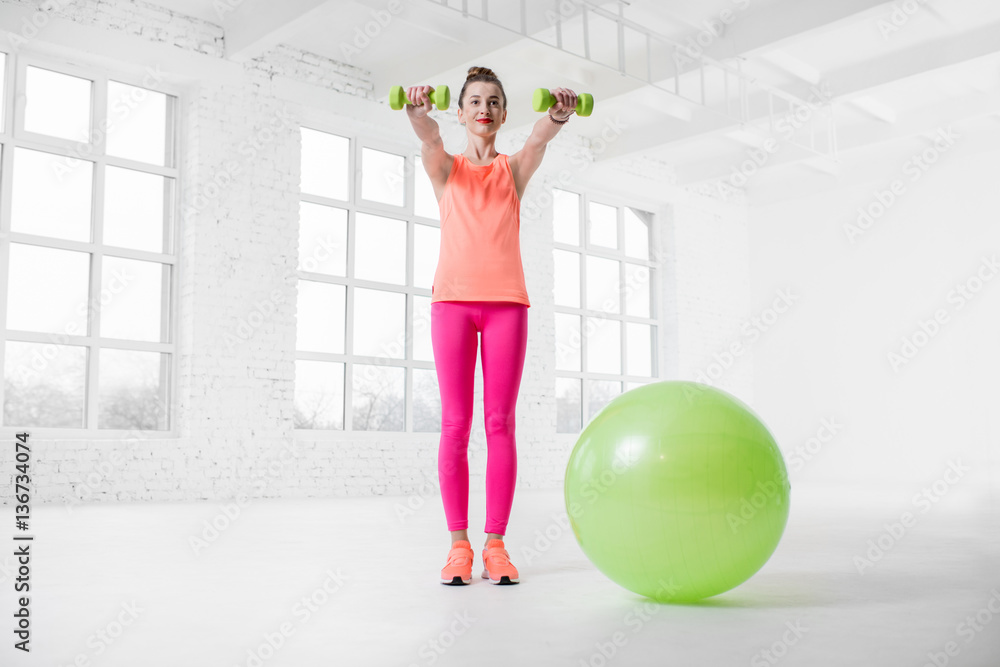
(926, 121)
(777, 25)
(914, 61)
(255, 26)
(844, 84)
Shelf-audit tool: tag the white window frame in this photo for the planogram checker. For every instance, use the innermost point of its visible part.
(656, 271)
(14, 136)
(358, 140)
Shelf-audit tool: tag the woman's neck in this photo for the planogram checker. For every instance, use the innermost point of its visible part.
(481, 149)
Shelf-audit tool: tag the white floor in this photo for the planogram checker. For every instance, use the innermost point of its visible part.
(128, 573)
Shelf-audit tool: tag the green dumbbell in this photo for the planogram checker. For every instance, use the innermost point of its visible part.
(440, 96)
(543, 99)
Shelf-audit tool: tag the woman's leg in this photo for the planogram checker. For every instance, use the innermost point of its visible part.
(453, 338)
(505, 338)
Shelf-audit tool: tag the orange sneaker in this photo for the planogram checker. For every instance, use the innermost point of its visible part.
(458, 571)
(496, 562)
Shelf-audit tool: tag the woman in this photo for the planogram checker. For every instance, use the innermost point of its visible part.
(479, 287)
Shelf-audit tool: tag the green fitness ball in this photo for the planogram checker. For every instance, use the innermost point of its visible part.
(677, 491)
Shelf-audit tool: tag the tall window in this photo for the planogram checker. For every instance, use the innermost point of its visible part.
(368, 248)
(87, 249)
(605, 319)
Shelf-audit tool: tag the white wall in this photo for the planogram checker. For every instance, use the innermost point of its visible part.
(860, 293)
(238, 252)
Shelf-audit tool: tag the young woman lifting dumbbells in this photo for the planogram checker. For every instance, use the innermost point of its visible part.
(479, 287)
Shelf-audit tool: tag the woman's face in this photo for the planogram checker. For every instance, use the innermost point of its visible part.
(481, 109)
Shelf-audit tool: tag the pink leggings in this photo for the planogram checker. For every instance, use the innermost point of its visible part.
(504, 329)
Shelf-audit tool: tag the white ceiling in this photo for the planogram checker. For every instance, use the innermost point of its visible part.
(888, 81)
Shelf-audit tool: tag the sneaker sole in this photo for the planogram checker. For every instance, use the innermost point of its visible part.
(456, 581)
(504, 579)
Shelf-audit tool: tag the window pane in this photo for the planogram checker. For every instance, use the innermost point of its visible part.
(425, 203)
(423, 350)
(135, 205)
(322, 239)
(566, 216)
(379, 323)
(382, 177)
(600, 393)
(48, 290)
(639, 349)
(568, 408)
(567, 342)
(604, 345)
(51, 195)
(325, 165)
(426, 245)
(138, 119)
(48, 393)
(636, 233)
(57, 104)
(603, 225)
(320, 317)
(567, 278)
(133, 299)
(602, 285)
(379, 249)
(426, 401)
(377, 396)
(319, 394)
(133, 390)
(637, 290)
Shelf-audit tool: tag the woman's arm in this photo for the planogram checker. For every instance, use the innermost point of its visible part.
(524, 162)
(437, 162)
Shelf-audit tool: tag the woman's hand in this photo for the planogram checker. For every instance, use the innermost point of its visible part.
(418, 94)
(566, 103)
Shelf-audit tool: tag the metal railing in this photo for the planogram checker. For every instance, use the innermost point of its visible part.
(752, 105)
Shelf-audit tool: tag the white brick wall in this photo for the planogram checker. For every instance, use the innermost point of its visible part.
(240, 172)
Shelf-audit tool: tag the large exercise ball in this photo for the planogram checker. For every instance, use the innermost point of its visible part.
(677, 491)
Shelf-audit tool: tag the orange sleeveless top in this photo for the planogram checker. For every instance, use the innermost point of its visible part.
(480, 255)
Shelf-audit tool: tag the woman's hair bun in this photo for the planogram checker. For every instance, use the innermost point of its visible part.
(476, 71)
